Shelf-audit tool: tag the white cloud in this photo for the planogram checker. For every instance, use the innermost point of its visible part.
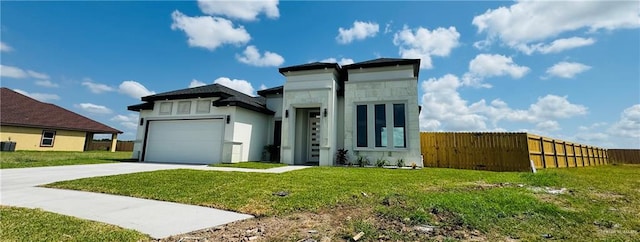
(240, 9)
(525, 24)
(42, 97)
(548, 125)
(134, 89)
(238, 85)
(567, 69)
(342, 61)
(490, 65)
(196, 83)
(251, 56)
(209, 32)
(93, 108)
(387, 27)
(486, 65)
(129, 121)
(359, 31)
(262, 87)
(629, 123)
(444, 109)
(423, 43)
(17, 73)
(5, 47)
(46, 83)
(97, 88)
(556, 46)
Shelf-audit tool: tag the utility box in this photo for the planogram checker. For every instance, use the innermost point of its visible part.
(8, 146)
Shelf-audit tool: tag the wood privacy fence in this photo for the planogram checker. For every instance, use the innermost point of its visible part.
(106, 145)
(629, 156)
(505, 151)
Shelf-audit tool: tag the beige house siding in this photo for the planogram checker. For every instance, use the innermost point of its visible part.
(29, 139)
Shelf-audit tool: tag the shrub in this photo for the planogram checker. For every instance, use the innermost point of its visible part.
(380, 162)
(400, 162)
(342, 157)
(362, 161)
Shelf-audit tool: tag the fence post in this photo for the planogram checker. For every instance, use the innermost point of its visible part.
(566, 157)
(544, 155)
(575, 158)
(555, 153)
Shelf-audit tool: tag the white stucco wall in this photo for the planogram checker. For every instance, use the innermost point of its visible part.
(250, 129)
(385, 84)
(303, 90)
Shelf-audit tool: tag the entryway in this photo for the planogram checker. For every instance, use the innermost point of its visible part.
(307, 136)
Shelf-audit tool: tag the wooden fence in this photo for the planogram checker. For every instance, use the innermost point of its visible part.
(504, 151)
(629, 156)
(106, 145)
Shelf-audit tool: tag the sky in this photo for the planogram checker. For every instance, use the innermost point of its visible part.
(567, 70)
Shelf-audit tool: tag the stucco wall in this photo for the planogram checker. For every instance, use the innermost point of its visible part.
(250, 128)
(386, 84)
(303, 90)
(29, 139)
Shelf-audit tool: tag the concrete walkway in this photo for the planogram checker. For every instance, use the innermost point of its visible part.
(157, 218)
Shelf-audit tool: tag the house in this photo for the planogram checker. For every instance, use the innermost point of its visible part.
(34, 125)
(369, 108)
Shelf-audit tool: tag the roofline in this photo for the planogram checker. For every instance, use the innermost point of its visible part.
(141, 106)
(62, 128)
(273, 90)
(243, 105)
(399, 62)
(156, 97)
(317, 66)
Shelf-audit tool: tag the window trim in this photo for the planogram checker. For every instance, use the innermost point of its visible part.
(42, 138)
(206, 103)
(165, 113)
(178, 111)
(389, 112)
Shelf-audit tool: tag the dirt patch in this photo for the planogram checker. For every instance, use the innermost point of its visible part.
(339, 224)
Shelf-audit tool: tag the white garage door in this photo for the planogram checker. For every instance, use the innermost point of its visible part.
(185, 141)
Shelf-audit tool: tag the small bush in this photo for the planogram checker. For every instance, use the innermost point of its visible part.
(362, 161)
(400, 162)
(380, 162)
(342, 157)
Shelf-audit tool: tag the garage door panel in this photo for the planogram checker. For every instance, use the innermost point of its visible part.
(185, 141)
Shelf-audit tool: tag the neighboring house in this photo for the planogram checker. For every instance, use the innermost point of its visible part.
(369, 108)
(35, 125)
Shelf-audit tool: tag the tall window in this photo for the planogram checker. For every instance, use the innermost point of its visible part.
(399, 126)
(47, 138)
(361, 123)
(381, 125)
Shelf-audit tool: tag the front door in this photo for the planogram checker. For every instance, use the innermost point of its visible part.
(314, 137)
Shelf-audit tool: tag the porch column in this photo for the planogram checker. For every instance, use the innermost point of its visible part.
(114, 141)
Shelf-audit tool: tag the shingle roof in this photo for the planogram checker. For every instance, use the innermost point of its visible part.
(309, 66)
(273, 90)
(381, 62)
(227, 96)
(23, 111)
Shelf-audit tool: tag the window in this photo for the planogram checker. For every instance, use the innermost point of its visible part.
(203, 106)
(47, 138)
(361, 124)
(184, 107)
(165, 108)
(381, 125)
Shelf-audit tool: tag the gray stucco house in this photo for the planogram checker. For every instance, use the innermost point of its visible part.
(369, 108)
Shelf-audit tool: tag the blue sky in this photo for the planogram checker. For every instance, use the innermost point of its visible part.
(569, 70)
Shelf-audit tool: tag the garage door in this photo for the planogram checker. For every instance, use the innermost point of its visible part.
(184, 141)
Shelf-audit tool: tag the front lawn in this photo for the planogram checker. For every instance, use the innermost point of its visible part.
(251, 165)
(597, 203)
(22, 159)
(24, 224)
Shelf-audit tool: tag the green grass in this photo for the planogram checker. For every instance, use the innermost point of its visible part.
(251, 165)
(22, 159)
(603, 203)
(23, 224)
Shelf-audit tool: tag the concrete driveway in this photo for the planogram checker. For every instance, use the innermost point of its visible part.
(156, 218)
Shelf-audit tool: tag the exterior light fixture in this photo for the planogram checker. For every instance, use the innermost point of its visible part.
(324, 113)
(286, 113)
(228, 119)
